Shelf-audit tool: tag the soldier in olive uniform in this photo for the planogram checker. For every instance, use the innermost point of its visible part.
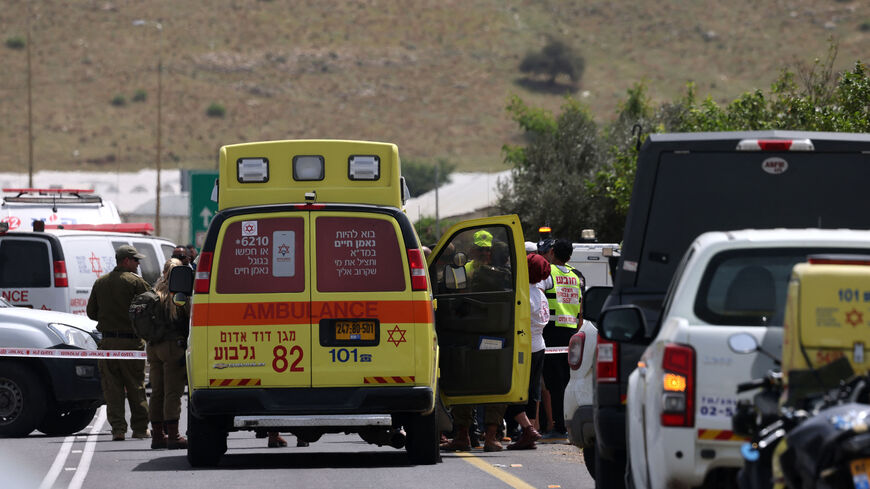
(108, 305)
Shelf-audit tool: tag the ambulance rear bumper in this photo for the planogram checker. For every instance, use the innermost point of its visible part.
(296, 401)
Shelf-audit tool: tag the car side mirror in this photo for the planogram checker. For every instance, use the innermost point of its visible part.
(454, 277)
(593, 301)
(181, 280)
(624, 324)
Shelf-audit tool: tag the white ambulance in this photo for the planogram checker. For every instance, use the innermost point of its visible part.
(55, 206)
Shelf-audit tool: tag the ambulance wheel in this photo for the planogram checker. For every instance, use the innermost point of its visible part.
(423, 437)
(206, 441)
(60, 422)
(22, 400)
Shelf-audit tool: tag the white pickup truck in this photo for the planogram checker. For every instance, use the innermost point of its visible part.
(682, 394)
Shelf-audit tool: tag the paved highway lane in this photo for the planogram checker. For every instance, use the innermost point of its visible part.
(91, 460)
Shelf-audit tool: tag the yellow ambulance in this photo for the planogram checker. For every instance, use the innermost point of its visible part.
(314, 309)
(826, 325)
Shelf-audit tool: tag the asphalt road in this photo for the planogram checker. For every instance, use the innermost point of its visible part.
(90, 459)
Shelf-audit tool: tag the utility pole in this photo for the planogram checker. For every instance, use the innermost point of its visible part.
(29, 107)
(157, 161)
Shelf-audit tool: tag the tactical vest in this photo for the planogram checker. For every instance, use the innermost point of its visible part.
(564, 297)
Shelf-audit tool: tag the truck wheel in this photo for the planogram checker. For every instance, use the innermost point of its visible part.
(22, 400)
(60, 422)
(423, 437)
(610, 474)
(206, 441)
(589, 459)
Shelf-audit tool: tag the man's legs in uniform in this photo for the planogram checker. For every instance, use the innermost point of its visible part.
(113, 392)
(461, 423)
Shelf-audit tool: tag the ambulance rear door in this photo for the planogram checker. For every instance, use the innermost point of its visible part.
(364, 331)
(257, 318)
(480, 281)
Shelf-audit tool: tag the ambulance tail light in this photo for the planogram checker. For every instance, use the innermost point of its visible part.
(202, 281)
(61, 279)
(678, 386)
(575, 349)
(418, 269)
(775, 145)
(607, 364)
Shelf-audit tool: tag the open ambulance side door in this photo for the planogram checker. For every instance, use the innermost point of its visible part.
(480, 281)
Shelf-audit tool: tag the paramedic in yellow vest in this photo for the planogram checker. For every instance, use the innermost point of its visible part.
(563, 290)
(479, 254)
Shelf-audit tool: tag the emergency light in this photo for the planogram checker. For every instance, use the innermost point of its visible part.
(308, 168)
(364, 167)
(253, 170)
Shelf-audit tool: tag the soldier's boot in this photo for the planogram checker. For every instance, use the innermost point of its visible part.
(491, 441)
(158, 437)
(460, 443)
(175, 440)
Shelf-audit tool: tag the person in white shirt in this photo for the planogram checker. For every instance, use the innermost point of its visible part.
(539, 270)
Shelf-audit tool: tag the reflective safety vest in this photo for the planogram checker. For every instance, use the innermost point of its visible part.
(564, 298)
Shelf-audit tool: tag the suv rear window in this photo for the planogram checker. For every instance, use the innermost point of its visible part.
(24, 263)
(264, 255)
(749, 287)
(358, 254)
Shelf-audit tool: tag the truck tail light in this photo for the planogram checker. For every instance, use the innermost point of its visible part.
(775, 145)
(61, 279)
(418, 269)
(607, 364)
(202, 280)
(678, 386)
(575, 349)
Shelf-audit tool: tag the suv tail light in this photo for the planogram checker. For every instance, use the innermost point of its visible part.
(418, 269)
(607, 364)
(202, 281)
(775, 145)
(61, 279)
(575, 349)
(678, 386)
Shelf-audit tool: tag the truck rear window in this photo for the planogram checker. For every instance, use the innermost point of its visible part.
(749, 287)
(358, 254)
(262, 256)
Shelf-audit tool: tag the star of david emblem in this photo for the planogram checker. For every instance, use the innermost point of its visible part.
(283, 249)
(854, 317)
(400, 335)
(249, 228)
(96, 267)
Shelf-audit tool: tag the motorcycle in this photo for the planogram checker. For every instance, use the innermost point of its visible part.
(818, 438)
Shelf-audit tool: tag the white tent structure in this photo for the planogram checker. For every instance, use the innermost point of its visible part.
(467, 195)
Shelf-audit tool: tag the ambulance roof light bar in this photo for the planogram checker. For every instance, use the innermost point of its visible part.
(253, 170)
(776, 145)
(361, 167)
(43, 191)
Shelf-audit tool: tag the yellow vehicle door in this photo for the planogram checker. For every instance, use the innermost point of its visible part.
(257, 316)
(480, 281)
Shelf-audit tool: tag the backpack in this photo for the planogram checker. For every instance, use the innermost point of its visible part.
(149, 319)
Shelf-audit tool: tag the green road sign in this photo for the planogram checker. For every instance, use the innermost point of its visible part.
(202, 208)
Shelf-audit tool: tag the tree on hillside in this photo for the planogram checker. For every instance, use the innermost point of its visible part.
(556, 58)
(420, 177)
(579, 175)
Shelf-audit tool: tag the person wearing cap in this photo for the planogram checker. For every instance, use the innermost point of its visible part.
(563, 290)
(480, 253)
(108, 304)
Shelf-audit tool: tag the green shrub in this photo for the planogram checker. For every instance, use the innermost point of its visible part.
(865, 26)
(139, 95)
(554, 59)
(15, 42)
(119, 100)
(216, 110)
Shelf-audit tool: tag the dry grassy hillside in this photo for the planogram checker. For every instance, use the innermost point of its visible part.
(431, 76)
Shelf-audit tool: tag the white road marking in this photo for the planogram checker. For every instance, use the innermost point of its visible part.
(88, 454)
(57, 465)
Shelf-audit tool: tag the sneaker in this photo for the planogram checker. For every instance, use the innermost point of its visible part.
(141, 434)
(555, 435)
